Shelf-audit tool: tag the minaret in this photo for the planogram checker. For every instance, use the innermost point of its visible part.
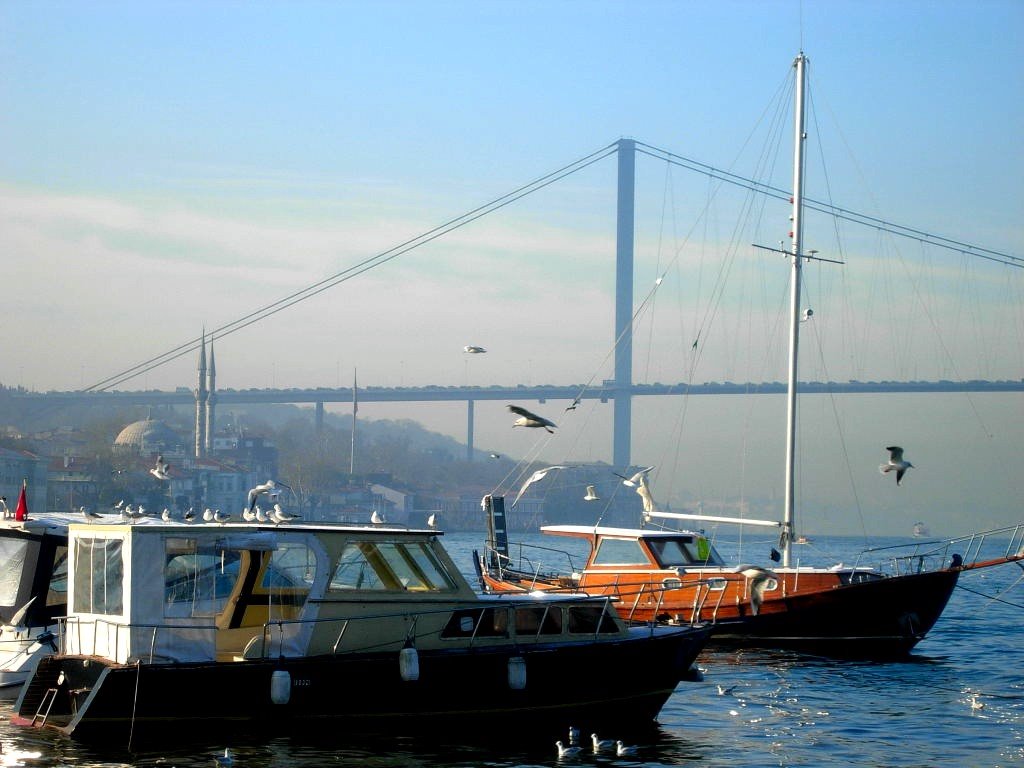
(201, 399)
(211, 400)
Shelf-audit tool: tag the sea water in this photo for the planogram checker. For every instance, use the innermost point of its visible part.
(957, 701)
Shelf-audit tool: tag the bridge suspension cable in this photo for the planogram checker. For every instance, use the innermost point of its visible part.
(357, 269)
(520, 192)
(832, 210)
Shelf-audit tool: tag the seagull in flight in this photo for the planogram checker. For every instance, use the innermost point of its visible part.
(591, 494)
(161, 470)
(897, 462)
(495, 455)
(634, 481)
(270, 488)
(573, 404)
(535, 477)
(473, 350)
(528, 419)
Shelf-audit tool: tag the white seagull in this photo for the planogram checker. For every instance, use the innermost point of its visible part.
(644, 490)
(564, 751)
(207, 515)
(473, 350)
(432, 520)
(377, 518)
(166, 515)
(161, 470)
(574, 734)
(278, 515)
(221, 518)
(271, 488)
(623, 750)
(896, 461)
(538, 475)
(634, 481)
(89, 516)
(528, 419)
(591, 494)
(261, 516)
(248, 515)
(600, 746)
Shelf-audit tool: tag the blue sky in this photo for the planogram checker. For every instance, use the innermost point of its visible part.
(170, 166)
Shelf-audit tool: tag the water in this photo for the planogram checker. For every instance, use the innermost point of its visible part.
(777, 709)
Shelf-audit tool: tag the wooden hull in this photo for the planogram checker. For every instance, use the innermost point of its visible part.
(588, 683)
(815, 612)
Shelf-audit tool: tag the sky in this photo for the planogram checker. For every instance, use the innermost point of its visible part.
(172, 167)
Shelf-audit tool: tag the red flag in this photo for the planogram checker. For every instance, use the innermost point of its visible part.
(21, 512)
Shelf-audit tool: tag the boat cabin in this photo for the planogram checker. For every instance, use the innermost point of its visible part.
(181, 593)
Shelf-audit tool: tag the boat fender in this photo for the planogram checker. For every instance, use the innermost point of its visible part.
(409, 663)
(280, 686)
(517, 673)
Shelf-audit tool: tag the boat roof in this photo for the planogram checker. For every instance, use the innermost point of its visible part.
(158, 525)
(589, 531)
(53, 523)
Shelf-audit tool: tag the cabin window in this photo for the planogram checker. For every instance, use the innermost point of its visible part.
(58, 591)
(539, 619)
(292, 566)
(98, 572)
(620, 552)
(391, 565)
(477, 622)
(591, 619)
(12, 562)
(197, 581)
(676, 552)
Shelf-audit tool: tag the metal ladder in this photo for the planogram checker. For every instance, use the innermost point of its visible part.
(39, 718)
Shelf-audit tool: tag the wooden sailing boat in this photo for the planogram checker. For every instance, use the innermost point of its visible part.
(679, 577)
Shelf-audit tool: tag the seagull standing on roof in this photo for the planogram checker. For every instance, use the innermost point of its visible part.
(161, 470)
(270, 488)
(278, 515)
(528, 419)
(377, 518)
(432, 520)
(90, 517)
(897, 462)
(538, 475)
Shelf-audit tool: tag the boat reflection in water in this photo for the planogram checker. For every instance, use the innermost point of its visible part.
(177, 628)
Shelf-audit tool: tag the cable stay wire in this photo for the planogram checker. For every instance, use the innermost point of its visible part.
(356, 269)
(832, 210)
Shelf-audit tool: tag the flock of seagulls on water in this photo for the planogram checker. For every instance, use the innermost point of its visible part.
(597, 746)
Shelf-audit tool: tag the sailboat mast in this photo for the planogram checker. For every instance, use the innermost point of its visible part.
(794, 331)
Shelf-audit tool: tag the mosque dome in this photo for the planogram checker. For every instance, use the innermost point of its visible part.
(147, 435)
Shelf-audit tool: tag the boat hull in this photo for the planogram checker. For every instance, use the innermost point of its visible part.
(589, 683)
(819, 613)
(870, 619)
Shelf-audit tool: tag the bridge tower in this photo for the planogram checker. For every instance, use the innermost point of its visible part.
(624, 237)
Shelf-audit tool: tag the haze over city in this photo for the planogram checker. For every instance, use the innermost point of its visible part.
(174, 167)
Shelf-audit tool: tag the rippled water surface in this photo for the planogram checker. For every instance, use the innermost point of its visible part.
(752, 709)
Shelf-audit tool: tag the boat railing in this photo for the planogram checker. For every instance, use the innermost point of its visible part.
(973, 550)
(121, 641)
(529, 559)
